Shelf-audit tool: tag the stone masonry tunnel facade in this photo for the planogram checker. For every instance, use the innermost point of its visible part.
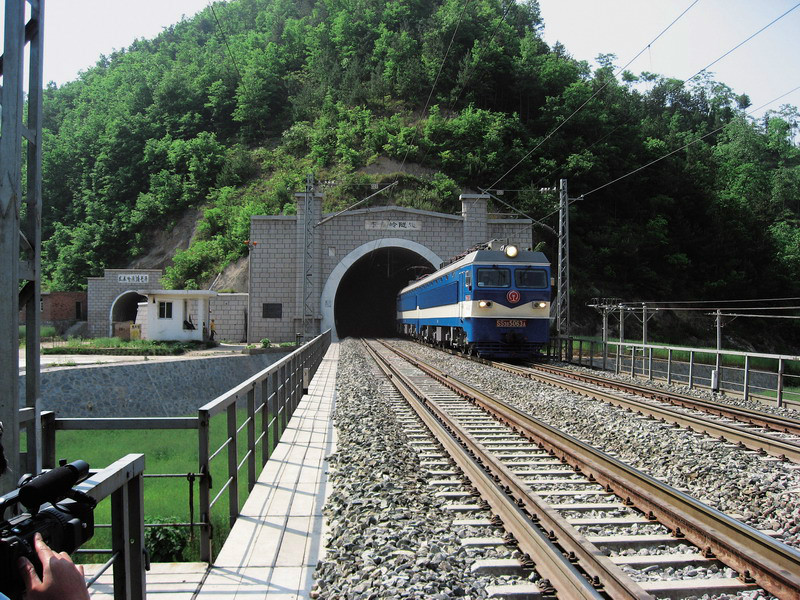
(359, 260)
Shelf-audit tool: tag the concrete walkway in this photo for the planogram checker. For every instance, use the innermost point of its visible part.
(276, 542)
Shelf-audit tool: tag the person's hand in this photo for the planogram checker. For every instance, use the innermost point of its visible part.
(61, 578)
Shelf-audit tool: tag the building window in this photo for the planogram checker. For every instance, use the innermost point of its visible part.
(271, 311)
(78, 311)
(165, 310)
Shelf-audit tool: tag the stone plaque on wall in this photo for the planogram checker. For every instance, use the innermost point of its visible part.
(393, 225)
(133, 278)
(270, 310)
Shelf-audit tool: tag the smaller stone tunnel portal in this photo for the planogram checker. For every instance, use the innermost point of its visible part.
(124, 308)
(365, 304)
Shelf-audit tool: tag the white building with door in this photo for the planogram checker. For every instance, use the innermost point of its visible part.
(176, 315)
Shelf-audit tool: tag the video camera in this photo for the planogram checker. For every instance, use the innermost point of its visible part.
(64, 517)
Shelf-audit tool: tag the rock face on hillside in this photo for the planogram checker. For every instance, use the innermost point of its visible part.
(162, 244)
(235, 277)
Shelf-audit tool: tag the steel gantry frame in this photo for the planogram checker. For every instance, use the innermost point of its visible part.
(308, 260)
(20, 231)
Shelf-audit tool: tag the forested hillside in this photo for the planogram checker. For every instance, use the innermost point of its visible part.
(228, 111)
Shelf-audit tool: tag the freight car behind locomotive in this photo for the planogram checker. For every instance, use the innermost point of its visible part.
(494, 303)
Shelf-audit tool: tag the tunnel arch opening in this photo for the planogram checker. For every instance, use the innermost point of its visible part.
(359, 296)
(365, 303)
(124, 308)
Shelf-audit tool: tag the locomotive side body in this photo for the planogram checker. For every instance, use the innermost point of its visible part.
(488, 302)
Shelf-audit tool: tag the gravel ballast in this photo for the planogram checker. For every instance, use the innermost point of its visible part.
(389, 537)
(762, 493)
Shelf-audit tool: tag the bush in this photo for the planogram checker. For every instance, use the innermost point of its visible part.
(167, 543)
(45, 332)
(265, 343)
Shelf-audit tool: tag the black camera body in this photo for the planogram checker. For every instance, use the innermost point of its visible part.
(62, 516)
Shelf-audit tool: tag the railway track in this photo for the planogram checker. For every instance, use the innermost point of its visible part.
(556, 496)
(758, 431)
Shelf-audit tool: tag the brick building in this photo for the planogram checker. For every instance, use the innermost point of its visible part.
(61, 309)
(115, 298)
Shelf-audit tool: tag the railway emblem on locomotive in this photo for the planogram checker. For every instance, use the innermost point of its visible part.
(513, 296)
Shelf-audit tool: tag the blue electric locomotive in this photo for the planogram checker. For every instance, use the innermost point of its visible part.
(494, 303)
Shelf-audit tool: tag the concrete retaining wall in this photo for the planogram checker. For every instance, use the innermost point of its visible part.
(171, 388)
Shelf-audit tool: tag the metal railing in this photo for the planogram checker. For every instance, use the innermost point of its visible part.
(267, 399)
(693, 367)
(122, 481)
(272, 395)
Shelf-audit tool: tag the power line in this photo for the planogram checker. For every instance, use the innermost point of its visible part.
(613, 78)
(463, 85)
(230, 52)
(435, 81)
(742, 43)
(761, 316)
(668, 154)
(637, 307)
(722, 301)
(708, 66)
(488, 45)
(773, 308)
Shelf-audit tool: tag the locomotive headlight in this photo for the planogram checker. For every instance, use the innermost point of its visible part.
(540, 304)
(511, 251)
(484, 303)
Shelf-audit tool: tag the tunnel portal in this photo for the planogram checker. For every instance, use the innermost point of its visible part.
(365, 299)
(124, 308)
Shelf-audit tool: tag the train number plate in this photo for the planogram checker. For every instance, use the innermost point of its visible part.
(510, 323)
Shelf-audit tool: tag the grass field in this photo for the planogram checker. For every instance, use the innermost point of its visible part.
(166, 452)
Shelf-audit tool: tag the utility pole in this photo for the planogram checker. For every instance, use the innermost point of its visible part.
(618, 368)
(644, 324)
(715, 376)
(562, 300)
(20, 243)
(646, 316)
(605, 306)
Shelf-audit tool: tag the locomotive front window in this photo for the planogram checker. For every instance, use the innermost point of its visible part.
(494, 278)
(531, 278)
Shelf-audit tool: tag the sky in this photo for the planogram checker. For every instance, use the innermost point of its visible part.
(77, 32)
(764, 68)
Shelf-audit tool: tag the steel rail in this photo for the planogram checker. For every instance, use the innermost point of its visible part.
(520, 509)
(771, 564)
(754, 417)
(753, 440)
